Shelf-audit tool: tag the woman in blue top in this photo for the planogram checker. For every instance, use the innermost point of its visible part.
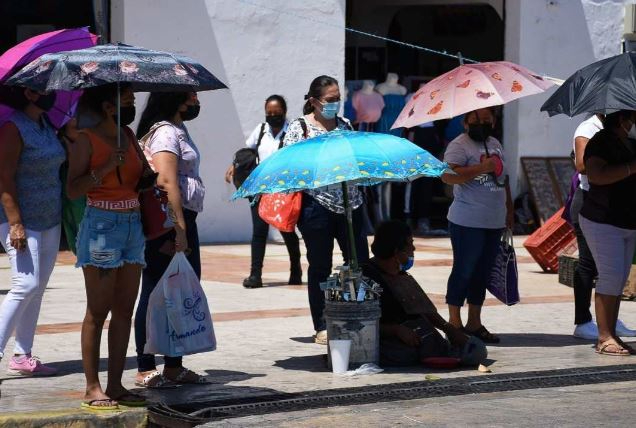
(30, 217)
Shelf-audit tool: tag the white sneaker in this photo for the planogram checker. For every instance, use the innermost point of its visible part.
(623, 330)
(587, 331)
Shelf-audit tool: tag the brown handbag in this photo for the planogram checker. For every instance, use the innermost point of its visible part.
(156, 215)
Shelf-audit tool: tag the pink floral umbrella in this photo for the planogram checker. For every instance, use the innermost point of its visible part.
(470, 87)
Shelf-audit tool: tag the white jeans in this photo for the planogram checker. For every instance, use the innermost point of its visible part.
(30, 272)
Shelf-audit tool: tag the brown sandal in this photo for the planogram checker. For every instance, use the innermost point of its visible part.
(483, 334)
(619, 351)
(188, 377)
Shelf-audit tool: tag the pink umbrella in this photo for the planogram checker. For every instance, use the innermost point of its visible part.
(470, 87)
(30, 49)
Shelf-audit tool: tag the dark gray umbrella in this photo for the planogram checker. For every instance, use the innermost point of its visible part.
(144, 69)
(605, 86)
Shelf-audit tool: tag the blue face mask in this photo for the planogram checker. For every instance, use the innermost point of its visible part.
(330, 110)
(408, 265)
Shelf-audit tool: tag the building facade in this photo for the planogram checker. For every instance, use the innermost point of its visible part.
(261, 47)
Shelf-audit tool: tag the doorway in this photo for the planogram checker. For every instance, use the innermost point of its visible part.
(20, 20)
(474, 28)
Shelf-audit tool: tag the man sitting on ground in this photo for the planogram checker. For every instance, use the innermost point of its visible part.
(409, 321)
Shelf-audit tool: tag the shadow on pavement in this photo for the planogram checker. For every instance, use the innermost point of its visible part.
(306, 339)
(217, 390)
(537, 340)
(75, 366)
(309, 363)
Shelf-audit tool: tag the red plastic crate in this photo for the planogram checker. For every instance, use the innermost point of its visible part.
(549, 241)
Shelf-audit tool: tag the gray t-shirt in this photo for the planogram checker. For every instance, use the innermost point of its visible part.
(479, 202)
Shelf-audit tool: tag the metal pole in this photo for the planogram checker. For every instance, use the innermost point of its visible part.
(118, 116)
(119, 128)
(353, 263)
(460, 58)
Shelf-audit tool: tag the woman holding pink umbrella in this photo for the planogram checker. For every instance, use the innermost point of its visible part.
(481, 209)
(482, 206)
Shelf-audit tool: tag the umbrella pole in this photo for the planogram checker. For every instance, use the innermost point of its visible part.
(119, 128)
(118, 116)
(353, 263)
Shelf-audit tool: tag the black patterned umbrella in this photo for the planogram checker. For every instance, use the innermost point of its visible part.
(146, 70)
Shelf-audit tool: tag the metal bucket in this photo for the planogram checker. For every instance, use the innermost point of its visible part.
(358, 322)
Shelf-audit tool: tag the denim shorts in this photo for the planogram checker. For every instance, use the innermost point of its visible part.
(108, 239)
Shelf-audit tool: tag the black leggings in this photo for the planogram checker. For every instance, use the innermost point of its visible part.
(156, 264)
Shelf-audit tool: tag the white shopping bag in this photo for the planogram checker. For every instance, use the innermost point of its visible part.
(178, 321)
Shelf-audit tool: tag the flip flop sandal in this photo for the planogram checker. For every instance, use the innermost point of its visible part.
(123, 401)
(602, 349)
(90, 404)
(161, 383)
(181, 378)
(627, 347)
(484, 335)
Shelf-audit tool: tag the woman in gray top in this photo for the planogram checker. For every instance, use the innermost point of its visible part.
(481, 209)
(30, 218)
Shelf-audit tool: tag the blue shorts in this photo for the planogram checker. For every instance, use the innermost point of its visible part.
(108, 239)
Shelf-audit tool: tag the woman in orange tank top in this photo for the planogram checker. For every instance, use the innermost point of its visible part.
(110, 244)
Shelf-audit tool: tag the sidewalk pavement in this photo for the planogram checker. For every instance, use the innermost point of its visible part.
(264, 335)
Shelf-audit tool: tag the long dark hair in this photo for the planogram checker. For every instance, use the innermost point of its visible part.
(315, 90)
(14, 97)
(160, 106)
(92, 98)
(613, 120)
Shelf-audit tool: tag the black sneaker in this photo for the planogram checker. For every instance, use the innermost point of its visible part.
(253, 281)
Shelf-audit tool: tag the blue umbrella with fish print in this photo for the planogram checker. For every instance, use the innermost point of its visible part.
(341, 157)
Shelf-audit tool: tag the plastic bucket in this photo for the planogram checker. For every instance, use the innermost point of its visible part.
(359, 323)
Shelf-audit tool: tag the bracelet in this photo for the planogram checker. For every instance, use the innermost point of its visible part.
(96, 179)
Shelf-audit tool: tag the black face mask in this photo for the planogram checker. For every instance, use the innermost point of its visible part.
(127, 115)
(275, 120)
(191, 113)
(46, 102)
(480, 132)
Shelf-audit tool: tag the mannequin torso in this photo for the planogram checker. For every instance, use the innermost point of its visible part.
(391, 86)
(367, 103)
